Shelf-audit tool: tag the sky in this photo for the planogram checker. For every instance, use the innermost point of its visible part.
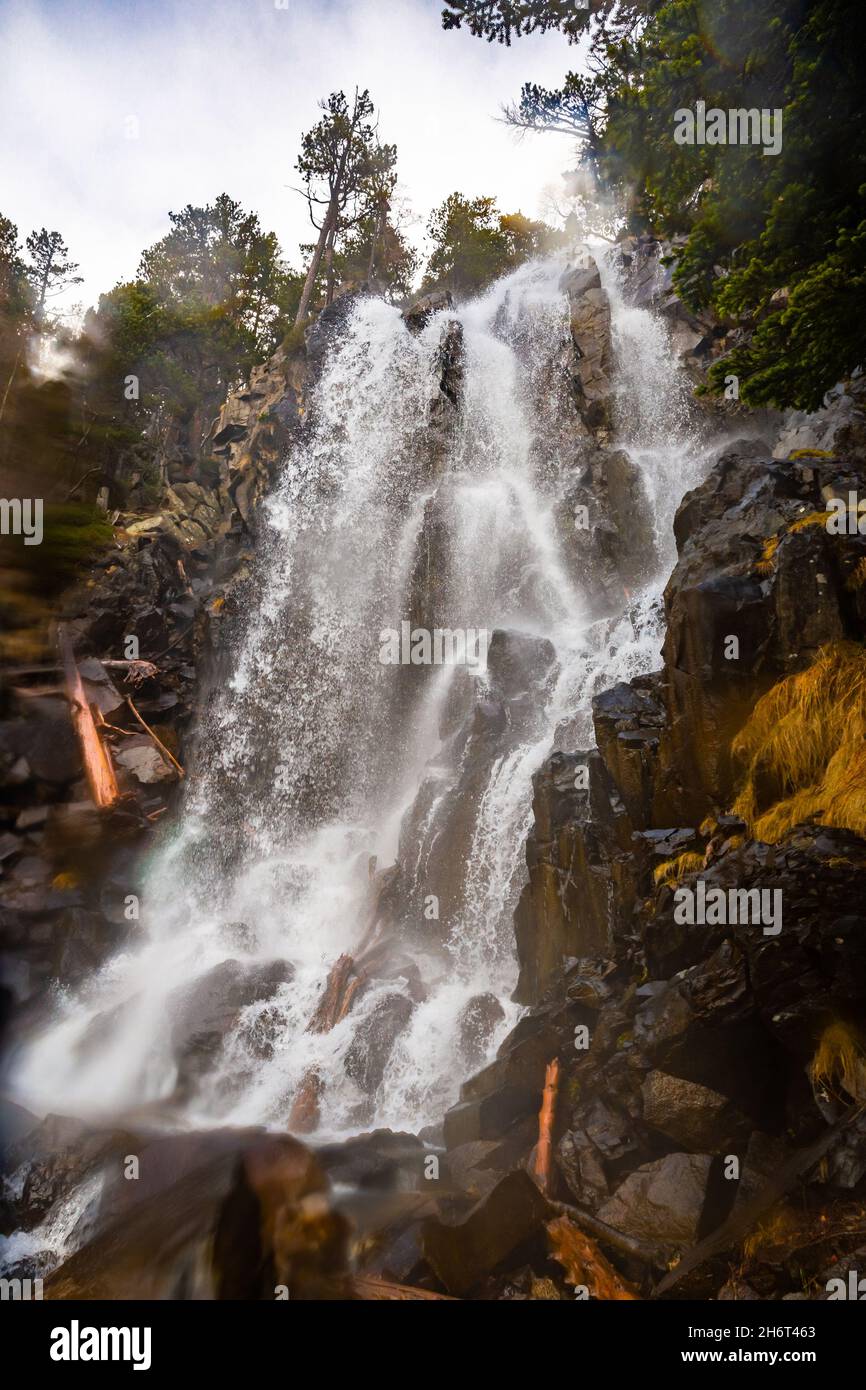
(112, 112)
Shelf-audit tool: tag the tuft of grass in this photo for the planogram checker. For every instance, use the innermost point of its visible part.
(768, 551)
(840, 1062)
(810, 519)
(775, 1232)
(673, 870)
(804, 748)
(812, 454)
(768, 555)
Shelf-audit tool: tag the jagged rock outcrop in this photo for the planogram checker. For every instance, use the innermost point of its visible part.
(686, 1043)
(591, 343)
(256, 426)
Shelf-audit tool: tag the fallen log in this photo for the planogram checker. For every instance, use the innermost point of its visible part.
(609, 1235)
(158, 743)
(304, 1114)
(340, 989)
(741, 1221)
(546, 1116)
(98, 767)
(330, 1008)
(584, 1263)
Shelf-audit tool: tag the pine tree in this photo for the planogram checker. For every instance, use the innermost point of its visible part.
(50, 270)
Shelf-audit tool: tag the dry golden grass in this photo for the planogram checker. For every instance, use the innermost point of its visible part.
(774, 1232)
(771, 544)
(839, 1064)
(806, 740)
(768, 555)
(672, 870)
(810, 519)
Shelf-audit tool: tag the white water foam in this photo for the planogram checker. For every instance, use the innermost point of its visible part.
(308, 761)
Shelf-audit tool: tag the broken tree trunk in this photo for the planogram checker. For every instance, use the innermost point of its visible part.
(544, 1149)
(158, 743)
(341, 986)
(98, 767)
(584, 1264)
(332, 1006)
(608, 1235)
(304, 1114)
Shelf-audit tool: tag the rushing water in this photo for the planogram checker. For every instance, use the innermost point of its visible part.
(318, 764)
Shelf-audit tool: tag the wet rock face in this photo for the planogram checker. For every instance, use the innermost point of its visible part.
(591, 342)
(463, 1253)
(663, 757)
(781, 610)
(685, 1043)
(484, 723)
(259, 423)
(418, 314)
(691, 1115)
(476, 1025)
(663, 1201)
(607, 516)
(374, 1039)
(206, 1011)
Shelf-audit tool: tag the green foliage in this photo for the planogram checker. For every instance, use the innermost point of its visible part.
(473, 243)
(377, 252)
(773, 242)
(15, 294)
(212, 298)
(758, 224)
(502, 20)
(50, 270)
(349, 180)
(223, 279)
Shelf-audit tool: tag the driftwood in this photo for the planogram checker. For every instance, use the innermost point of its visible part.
(584, 1264)
(341, 986)
(544, 1149)
(609, 1235)
(137, 670)
(332, 1005)
(740, 1222)
(160, 746)
(98, 767)
(304, 1114)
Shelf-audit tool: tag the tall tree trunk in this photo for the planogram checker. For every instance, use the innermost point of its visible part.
(378, 238)
(329, 263)
(316, 261)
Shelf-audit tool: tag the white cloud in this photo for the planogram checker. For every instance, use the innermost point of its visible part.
(222, 92)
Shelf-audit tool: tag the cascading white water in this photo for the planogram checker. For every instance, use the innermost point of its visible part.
(310, 758)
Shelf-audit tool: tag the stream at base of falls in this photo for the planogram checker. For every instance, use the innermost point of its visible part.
(320, 766)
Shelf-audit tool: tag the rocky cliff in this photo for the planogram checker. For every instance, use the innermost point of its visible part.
(700, 1061)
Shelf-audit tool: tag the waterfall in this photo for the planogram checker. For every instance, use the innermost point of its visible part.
(319, 766)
